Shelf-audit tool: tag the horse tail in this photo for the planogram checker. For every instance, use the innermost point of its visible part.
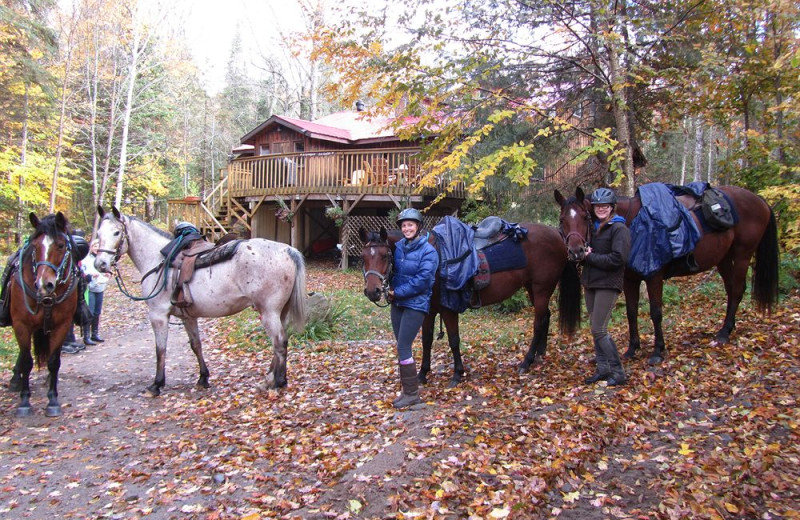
(297, 301)
(41, 347)
(569, 300)
(765, 270)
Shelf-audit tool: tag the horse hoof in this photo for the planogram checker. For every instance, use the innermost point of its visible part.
(629, 354)
(655, 360)
(423, 379)
(152, 391)
(24, 411)
(202, 383)
(53, 411)
(722, 340)
(454, 382)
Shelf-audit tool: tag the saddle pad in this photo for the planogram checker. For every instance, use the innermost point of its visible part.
(218, 254)
(505, 256)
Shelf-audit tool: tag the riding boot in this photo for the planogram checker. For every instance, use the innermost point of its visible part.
(410, 384)
(95, 327)
(602, 371)
(617, 373)
(87, 334)
(5, 313)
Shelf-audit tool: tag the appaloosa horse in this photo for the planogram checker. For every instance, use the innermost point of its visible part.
(43, 299)
(546, 267)
(730, 251)
(265, 275)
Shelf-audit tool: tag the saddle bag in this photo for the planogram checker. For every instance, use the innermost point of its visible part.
(717, 210)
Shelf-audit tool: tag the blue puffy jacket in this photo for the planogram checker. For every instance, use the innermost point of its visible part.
(415, 265)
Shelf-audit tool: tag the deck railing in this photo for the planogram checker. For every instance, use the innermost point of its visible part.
(385, 171)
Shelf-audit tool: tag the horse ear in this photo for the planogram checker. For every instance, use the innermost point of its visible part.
(34, 219)
(115, 211)
(579, 194)
(61, 221)
(362, 234)
(101, 211)
(384, 234)
(559, 197)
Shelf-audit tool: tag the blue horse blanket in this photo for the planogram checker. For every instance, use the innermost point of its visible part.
(662, 231)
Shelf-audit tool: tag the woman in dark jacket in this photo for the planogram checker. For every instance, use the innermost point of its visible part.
(415, 265)
(604, 267)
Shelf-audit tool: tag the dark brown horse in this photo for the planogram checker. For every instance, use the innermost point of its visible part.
(43, 300)
(730, 251)
(546, 267)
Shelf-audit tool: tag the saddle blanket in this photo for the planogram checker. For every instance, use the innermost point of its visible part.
(505, 255)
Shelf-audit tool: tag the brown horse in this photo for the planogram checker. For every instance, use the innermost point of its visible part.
(546, 267)
(730, 251)
(43, 300)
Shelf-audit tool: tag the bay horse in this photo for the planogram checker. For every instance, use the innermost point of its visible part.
(546, 267)
(43, 299)
(268, 276)
(730, 251)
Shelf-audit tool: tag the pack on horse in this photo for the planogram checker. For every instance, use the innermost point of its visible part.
(729, 250)
(258, 273)
(42, 299)
(546, 266)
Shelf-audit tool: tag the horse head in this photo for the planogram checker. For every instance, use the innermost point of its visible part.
(111, 239)
(574, 223)
(51, 257)
(376, 258)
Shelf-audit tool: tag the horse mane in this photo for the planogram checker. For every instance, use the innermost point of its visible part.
(165, 234)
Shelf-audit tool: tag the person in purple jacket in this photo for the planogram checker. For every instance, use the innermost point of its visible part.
(415, 265)
(603, 270)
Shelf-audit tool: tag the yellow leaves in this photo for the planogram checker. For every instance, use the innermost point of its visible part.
(354, 506)
(731, 508)
(499, 513)
(571, 497)
(685, 451)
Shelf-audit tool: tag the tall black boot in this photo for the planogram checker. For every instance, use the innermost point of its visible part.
(410, 384)
(609, 348)
(95, 327)
(87, 334)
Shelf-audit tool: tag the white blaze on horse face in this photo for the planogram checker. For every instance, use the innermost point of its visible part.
(573, 213)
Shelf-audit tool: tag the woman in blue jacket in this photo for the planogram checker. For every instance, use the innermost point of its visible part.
(415, 265)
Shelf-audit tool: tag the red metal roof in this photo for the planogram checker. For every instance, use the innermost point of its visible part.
(343, 127)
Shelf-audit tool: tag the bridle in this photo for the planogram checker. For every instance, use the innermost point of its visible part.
(384, 278)
(65, 273)
(117, 252)
(584, 238)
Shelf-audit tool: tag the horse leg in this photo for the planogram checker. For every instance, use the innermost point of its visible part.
(541, 325)
(190, 324)
(53, 366)
(276, 377)
(734, 277)
(160, 324)
(25, 363)
(454, 340)
(631, 289)
(655, 292)
(428, 326)
(15, 384)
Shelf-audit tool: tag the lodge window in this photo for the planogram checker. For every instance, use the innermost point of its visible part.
(263, 149)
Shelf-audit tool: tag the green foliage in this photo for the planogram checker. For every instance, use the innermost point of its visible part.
(785, 202)
(789, 275)
(514, 304)
(324, 328)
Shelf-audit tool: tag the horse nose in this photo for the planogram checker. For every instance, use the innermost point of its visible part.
(45, 288)
(373, 295)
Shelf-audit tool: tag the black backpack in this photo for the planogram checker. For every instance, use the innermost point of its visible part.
(717, 210)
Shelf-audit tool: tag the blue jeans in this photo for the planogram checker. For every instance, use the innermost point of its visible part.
(95, 303)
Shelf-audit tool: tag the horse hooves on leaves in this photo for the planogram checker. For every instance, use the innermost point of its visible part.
(24, 411)
(152, 391)
(629, 354)
(655, 360)
(53, 411)
(454, 382)
(203, 383)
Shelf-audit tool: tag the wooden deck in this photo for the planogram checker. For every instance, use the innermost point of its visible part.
(374, 174)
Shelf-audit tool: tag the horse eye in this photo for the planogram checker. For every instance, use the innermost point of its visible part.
(116, 233)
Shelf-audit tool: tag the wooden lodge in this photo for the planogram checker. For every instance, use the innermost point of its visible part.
(288, 172)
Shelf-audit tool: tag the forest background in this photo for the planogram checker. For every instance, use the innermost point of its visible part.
(104, 101)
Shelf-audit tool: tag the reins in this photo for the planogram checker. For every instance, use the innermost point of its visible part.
(384, 278)
(157, 288)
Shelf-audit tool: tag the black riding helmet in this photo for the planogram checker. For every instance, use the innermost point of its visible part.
(81, 247)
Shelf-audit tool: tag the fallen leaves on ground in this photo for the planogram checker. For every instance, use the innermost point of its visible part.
(710, 433)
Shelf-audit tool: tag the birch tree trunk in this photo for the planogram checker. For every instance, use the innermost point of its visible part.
(698, 152)
(687, 126)
(63, 114)
(126, 121)
(712, 155)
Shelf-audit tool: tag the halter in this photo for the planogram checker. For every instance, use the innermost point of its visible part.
(384, 278)
(118, 251)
